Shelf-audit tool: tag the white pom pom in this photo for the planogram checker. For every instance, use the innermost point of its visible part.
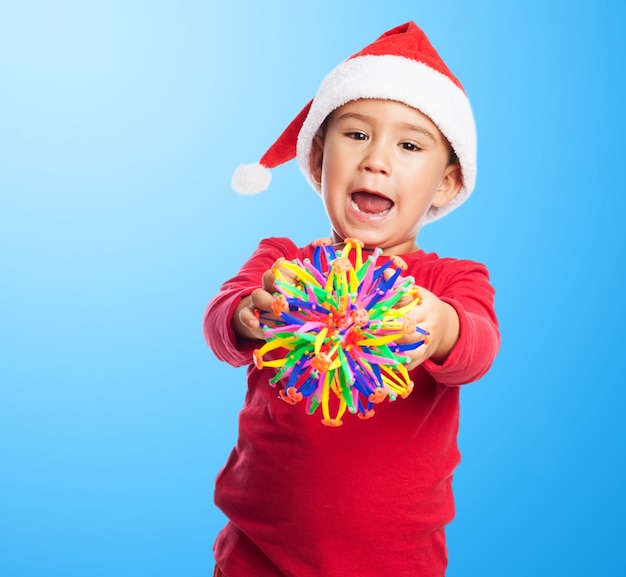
(251, 178)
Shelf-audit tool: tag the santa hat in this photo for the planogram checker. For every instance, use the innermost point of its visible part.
(401, 65)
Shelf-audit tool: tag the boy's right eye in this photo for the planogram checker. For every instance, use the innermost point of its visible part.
(356, 135)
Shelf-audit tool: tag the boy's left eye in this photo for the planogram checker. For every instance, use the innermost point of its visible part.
(409, 146)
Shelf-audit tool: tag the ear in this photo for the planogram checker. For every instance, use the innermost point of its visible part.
(316, 159)
(451, 183)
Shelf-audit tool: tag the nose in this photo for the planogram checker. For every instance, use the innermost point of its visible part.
(376, 158)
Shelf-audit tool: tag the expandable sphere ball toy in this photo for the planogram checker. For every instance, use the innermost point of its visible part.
(337, 326)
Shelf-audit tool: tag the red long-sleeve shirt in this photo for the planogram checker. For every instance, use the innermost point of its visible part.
(369, 498)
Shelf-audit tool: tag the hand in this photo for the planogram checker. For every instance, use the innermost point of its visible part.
(442, 323)
(245, 321)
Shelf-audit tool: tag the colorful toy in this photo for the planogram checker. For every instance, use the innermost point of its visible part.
(337, 326)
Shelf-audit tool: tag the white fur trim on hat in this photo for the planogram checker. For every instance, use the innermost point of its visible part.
(390, 77)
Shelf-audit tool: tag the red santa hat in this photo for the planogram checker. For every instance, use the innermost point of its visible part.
(401, 65)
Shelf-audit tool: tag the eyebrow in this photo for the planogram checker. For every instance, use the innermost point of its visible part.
(405, 125)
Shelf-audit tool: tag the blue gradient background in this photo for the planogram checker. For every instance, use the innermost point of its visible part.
(120, 125)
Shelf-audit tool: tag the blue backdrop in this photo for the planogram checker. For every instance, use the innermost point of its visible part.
(120, 125)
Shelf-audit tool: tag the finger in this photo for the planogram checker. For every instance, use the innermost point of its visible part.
(248, 318)
(406, 300)
(267, 308)
(284, 270)
(261, 299)
(269, 277)
(418, 355)
(411, 293)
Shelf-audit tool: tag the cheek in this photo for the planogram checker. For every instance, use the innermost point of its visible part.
(330, 200)
(331, 180)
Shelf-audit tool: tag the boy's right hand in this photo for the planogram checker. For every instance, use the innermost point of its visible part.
(245, 322)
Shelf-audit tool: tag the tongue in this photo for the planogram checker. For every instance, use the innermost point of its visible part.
(371, 203)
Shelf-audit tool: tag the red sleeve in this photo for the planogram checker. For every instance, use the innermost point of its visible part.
(218, 331)
(465, 285)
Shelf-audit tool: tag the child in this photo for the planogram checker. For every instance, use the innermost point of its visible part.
(389, 143)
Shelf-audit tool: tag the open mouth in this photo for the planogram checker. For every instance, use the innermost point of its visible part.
(370, 202)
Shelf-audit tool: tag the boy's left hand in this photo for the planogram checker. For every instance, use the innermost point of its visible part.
(442, 323)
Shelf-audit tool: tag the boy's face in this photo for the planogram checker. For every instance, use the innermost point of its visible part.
(381, 166)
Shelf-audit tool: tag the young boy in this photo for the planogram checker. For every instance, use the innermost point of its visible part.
(389, 143)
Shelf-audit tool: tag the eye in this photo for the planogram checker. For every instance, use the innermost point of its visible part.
(356, 135)
(410, 146)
